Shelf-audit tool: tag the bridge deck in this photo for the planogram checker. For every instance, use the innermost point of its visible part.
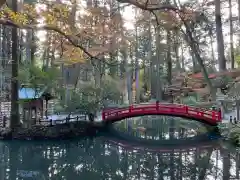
(206, 116)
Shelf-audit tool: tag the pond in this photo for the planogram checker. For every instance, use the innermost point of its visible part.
(111, 157)
(160, 129)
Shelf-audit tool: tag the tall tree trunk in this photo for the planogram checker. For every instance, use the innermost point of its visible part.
(158, 65)
(124, 74)
(176, 50)
(194, 61)
(150, 68)
(239, 19)
(220, 41)
(28, 46)
(20, 46)
(195, 49)
(130, 75)
(14, 122)
(169, 59)
(182, 57)
(212, 50)
(33, 47)
(97, 64)
(231, 35)
(137, 84)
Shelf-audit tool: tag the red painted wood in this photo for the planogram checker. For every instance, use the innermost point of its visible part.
(208, 116)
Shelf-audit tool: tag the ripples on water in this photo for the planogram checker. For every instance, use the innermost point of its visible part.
(111, 158)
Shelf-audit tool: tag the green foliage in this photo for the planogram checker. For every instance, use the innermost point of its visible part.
(110, 91)
(90, 98)
(35, 77)
(230, 132)
(237, 55)
(222, 82)
(30, 1)
(190, 100)
(237, 58)
(234, 135)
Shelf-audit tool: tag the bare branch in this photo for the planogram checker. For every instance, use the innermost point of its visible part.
(156, 17)
(71, 38)
(149, 7)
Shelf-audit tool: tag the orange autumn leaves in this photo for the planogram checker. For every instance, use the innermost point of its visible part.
(96, 26)
(93, 28)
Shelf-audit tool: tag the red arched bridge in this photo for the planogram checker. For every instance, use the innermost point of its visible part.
(209, 117)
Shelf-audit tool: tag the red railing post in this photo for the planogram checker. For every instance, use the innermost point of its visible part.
(103, 115)
(197, 110)
(157, 105)
(130, 108)
(213, 115)
(219, 114)
(186, 109)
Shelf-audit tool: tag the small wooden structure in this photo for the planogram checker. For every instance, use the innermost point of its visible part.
(32, 103)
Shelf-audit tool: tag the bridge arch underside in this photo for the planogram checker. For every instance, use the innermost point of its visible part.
(204, 120)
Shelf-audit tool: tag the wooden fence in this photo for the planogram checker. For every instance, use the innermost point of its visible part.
(4, 121)
(50, 122)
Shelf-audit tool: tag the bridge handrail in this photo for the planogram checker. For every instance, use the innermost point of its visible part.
(159, 106)
(150, 104)
(136, 106)
(186, 109)
(177, 108)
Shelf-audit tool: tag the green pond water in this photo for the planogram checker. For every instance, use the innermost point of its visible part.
(128, 157)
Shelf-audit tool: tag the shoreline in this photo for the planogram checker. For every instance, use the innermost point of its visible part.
(55, 132)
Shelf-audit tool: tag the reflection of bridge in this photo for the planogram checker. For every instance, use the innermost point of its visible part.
(191, 146)
(207, 117)
(197, 158)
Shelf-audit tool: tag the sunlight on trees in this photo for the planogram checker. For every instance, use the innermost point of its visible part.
(87, 41)
(58, 18)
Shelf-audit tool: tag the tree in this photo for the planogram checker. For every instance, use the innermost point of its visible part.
(231, 34)
(220, 42)
(87, 98)
(38, 78)
(14, 83)
(98, 39)
(187, 16)
(72, 43)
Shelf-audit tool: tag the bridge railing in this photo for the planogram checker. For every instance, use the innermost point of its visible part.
(4, 122)
(175, 109)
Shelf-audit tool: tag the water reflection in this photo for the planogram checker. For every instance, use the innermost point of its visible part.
(105, 158)
(159, 128)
